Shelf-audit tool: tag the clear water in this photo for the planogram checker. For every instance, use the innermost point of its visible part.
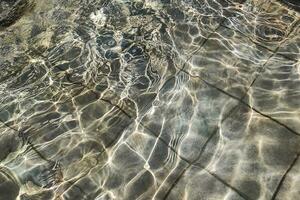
(149, 99)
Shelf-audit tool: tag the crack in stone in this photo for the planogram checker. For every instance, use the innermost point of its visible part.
(241, 194)
(30, 144)
(21, 133)
(247, 105)
(199, 156)
(263, 66)
(165, 142)
(284, 176)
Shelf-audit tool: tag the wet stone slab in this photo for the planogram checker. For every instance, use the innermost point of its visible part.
(276, 91)
(267, 23)
(253, 154)
(229, 61)
(190, 112)
(159, 99)
(290, 47)
(248, 158)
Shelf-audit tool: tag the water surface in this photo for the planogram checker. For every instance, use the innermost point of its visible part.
(149, 99)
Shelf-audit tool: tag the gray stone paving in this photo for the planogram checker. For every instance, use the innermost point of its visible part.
(153, 99)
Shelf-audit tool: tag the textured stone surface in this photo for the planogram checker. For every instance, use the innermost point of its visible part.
(277, 92)
(155, 99)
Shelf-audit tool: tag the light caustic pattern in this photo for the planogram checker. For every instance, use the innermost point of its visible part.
(149, 99)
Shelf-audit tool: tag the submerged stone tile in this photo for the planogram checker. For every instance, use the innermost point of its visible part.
(197, 183)
(130, 170)
(9, 188)
(290, 47)
(267, 23)
(229, 61)
(290, 185)
(65, 145)
(190, 33)
(134, 100)
(252, 154)
(276, 91)
(200, 21)
(137, 75)
(9, 142)
(189, 112)
(34, 88)
(189, 37)
(17, 107)
(159, 165)
(75, 141)
(95, 119)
